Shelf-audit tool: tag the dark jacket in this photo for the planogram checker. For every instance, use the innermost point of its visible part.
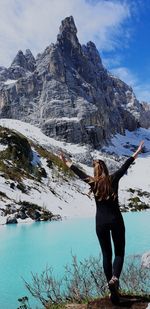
(110, 207)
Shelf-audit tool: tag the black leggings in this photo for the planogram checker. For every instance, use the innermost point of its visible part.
(104, 233)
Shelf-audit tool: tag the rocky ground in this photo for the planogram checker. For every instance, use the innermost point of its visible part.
(104, 303)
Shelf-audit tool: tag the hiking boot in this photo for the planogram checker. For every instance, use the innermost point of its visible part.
(113, 285)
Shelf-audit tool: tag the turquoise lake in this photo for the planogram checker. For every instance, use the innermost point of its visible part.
(32, 247)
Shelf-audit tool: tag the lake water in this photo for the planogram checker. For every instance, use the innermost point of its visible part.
(31, 247)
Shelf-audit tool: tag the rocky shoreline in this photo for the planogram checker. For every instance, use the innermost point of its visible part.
(30, 211)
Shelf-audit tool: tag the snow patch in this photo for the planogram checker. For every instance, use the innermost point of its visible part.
(3, 147)
(10, 81)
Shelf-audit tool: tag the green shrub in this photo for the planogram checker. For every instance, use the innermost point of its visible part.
(136, 204)
(53, 160)
(131, 190)
(30, 205)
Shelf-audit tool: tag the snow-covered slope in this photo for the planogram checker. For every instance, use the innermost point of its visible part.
(57, 192)
(66, 195)
(137, 180)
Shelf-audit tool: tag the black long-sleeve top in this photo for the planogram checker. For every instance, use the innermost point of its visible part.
(106, 208)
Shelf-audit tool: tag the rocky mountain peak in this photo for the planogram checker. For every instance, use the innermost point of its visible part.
(91, 52)
(69, 93)
(19, 60)
(30, 60)
(26, 61)
(68, 26)
(29, 55)
(67, 37)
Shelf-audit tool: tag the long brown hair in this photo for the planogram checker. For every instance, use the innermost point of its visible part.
(101, 182)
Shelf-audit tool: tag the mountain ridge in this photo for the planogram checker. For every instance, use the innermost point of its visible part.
(67, 92)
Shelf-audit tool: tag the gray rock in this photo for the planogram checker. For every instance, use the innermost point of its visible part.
(34, 215)
(146, 260)
(145, 115)
(22, 215)
(20, 60)
(11, 220)
(26, 61)
(30, 60)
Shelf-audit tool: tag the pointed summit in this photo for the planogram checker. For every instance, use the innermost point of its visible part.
(91, 51)
(30, 60)
(19, 60)
(68, 25)
(67, 37)
(27, 61)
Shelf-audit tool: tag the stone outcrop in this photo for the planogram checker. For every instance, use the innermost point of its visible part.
(21, 67)
(11, 220)
(145, 115)
(146, 260)
(68, 92)
(17, 149)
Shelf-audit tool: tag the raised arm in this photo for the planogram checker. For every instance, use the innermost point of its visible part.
(139, 149)
(75, 169)
(123, 169)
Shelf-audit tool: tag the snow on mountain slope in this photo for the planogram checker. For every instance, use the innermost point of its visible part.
(138, 176)
(35, 134)
(66, 196)
(58, 193)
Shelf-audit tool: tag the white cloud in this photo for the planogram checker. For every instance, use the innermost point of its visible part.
(34, 23)
(126, 75)
(114, 60)
(142, 90)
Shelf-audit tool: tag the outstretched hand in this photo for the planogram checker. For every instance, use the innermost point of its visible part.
(139, 149)
(140, 146)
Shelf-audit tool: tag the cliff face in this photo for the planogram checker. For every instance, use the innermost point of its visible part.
(68, 92)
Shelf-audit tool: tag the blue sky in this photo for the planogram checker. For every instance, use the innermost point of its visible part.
(119, 28)
(134, 57)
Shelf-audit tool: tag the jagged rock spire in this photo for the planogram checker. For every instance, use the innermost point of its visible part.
(26, 61)
(20, 60)
(30, 60)
(68, 25)
(67, 36)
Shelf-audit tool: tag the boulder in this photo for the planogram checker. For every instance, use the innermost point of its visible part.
(146, 260)
(34, 214)
(22, 215)
(11, 220)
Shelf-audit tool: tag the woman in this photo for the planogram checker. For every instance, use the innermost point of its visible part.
(109, 221)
